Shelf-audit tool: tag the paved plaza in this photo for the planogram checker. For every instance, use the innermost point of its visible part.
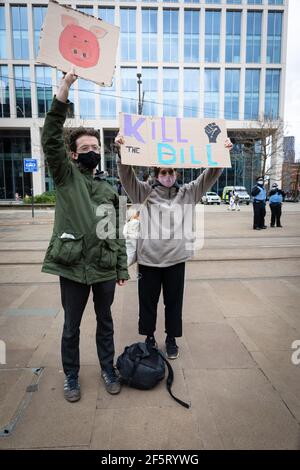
(241, 317)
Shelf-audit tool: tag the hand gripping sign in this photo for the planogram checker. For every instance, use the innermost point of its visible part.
(72, 37)
(173, 141)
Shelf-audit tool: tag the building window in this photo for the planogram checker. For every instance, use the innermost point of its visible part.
(212, 1)
(234, 2)
(272, 94)
(232, 91)
(20, 32)
(4, 92)
(254, 2)
(211, 92)
(212, 35)
(107, 14)
(22, 90)
(43, 88)
(253, 48)
(88, 10)
(39, 14)
(191, 92)
(108, 101)
(274, 37)
(149, 35)
(170, 22)
(191, 35)
(129, 90)
(252, 94)
(275, 2)
(233, 36)
(86, 91)
(150, 87)
(170, 91)
(3, 51)
(191, 1)
(128, 34)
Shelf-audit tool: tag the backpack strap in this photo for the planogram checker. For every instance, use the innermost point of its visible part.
(170, 379)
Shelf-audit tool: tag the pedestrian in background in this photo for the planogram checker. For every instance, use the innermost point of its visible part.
(276, 197)
(259, 195)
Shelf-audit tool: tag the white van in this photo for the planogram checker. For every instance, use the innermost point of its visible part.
(239, 190)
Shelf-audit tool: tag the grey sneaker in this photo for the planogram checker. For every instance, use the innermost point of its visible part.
(111, 381)
(72, 388)
(171, 348)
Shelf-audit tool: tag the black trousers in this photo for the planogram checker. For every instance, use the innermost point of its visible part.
(151, 280)
(74, 297)
(259, 209)
(275, 214)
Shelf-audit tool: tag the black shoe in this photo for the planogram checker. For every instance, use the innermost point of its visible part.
(72, 388)
(151, 342)
(272, 226)
(171, 348)
(256, 228)
(111, 381)
(279, 226)
(264, 226)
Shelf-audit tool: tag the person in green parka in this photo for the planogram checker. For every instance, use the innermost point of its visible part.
(81, 252)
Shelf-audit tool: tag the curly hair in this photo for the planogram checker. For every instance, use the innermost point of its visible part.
(80, 131)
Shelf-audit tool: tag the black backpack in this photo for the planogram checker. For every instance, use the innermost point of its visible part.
(143, 368)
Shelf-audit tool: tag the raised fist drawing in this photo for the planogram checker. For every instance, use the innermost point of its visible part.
(212, 131)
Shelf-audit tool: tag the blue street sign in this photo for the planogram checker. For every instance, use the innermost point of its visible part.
(30, 165)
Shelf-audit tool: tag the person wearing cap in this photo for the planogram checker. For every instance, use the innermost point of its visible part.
(276, 198)
(259, 204)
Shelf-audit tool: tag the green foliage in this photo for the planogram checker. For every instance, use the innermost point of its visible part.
(45, 198)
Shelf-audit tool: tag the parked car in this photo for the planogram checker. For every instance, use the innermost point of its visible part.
(239, 190)
(211, 198)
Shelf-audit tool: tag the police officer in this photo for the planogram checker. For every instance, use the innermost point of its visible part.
(259, 204)
(276, 198)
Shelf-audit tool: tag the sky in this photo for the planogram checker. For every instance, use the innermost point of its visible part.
(292, 95)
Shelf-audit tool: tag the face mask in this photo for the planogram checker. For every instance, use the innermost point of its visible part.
(167, 180)
(260, 182)
(89, 159)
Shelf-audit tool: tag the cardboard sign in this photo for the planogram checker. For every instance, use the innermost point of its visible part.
(172, 141)
(72, 37)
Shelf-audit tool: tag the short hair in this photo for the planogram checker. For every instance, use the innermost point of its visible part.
(79, 132)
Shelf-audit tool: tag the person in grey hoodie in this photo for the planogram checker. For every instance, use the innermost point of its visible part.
(165, 243)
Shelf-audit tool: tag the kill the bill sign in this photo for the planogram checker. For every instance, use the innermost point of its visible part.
(173, 141)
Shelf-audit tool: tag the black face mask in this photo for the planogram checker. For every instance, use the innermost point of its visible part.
(89, 159)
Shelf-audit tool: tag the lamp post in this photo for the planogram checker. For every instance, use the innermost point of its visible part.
(140, 104)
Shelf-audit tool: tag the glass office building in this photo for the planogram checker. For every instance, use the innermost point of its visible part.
(198, 58)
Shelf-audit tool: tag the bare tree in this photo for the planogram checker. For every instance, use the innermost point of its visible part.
(264, 139)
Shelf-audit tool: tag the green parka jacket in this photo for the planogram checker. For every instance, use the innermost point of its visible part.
(84, 205)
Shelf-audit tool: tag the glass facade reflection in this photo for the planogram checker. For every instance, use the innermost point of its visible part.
(197, 59)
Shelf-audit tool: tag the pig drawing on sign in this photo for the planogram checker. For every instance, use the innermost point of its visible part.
(79, 45)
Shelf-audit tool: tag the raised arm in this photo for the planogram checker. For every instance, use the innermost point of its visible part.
(52, 135)
(136, 190)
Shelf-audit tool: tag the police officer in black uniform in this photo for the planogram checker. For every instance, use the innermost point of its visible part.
(259, 195)
(276, 197)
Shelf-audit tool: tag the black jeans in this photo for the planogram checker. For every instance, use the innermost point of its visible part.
(259, 208)
(74, 297)
(151, 280)
(275, 214)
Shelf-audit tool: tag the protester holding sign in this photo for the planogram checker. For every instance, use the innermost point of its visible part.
(166, 242)
(76, 252)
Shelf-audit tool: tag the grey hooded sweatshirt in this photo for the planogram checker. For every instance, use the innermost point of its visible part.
(167, 217)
